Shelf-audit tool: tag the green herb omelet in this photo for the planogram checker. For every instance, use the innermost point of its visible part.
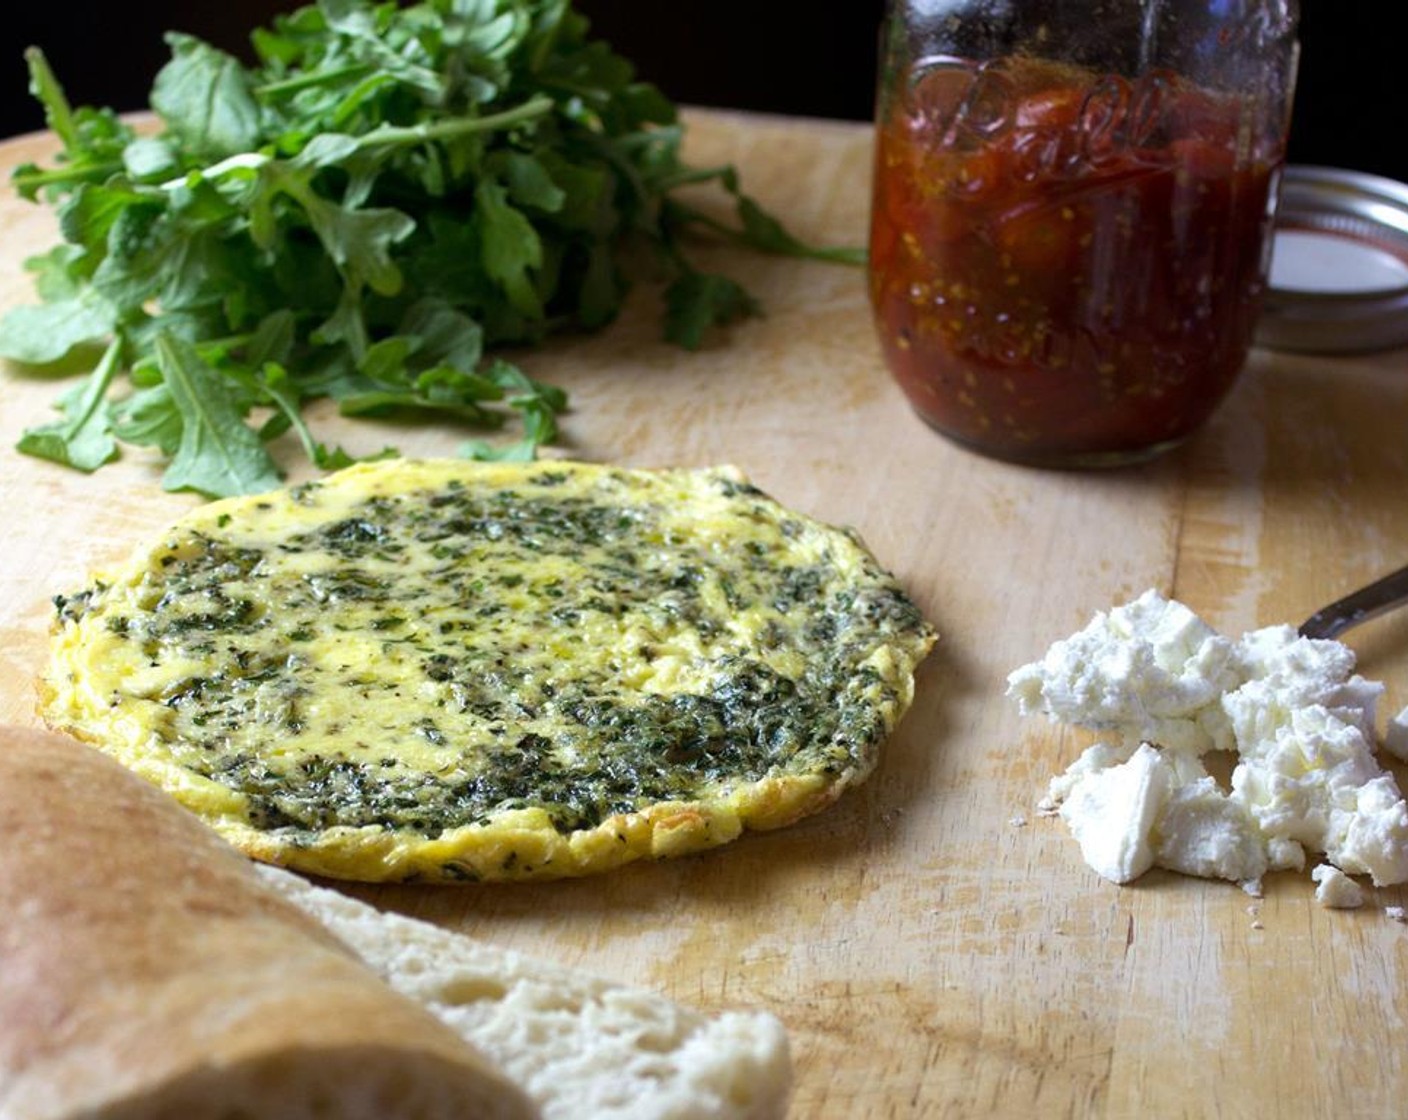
(477, 671)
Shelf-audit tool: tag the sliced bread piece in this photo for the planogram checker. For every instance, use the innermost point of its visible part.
(580, 1046)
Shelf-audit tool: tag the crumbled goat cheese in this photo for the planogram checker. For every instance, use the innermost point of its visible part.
(1204, 832)
(1166, 689)
(1396, 736)
(1151, 670)
(1112, 813)
(1335, 889)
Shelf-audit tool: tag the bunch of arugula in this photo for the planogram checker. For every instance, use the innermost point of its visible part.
(386, 198)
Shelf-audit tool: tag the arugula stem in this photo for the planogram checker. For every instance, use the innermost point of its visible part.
(309, 81)
(838, 254)
(687, 176)
(73, 173)
(95, 395)
(456, 126)
(289, 404)
(663, 134)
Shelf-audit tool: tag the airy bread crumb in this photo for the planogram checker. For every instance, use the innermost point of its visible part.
(579, 1045)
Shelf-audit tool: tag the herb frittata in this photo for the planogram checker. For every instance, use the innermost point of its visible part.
(455, 670)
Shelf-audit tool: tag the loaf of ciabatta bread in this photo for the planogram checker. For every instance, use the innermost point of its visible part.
(146, 973)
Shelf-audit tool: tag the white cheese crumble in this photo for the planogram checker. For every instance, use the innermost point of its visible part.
(1164, 689)
(1335, 889)
(1396, 736)
(1112, 812)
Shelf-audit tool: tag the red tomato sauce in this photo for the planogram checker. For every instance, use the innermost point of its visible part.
(1065, 267)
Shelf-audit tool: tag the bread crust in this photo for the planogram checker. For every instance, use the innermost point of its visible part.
(145, 971)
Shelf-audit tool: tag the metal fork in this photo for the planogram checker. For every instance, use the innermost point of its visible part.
(1378, 598)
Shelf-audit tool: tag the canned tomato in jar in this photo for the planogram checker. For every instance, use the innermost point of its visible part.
(1072, 211)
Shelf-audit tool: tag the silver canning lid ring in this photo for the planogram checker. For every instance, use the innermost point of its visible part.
(1339, 266)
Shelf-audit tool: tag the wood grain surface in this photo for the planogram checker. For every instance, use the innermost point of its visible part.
(935, 947)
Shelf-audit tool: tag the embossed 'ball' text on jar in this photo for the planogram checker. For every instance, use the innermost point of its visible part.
(1072, 215)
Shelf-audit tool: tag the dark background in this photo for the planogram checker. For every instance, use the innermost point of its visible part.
(750, 54)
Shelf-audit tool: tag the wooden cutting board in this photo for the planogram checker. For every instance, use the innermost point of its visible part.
(934, 946)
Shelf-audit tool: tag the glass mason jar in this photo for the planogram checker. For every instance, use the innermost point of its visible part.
(1071, 223)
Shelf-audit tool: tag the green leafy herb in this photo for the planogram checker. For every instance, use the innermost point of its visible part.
(83, 439)
(218, 453)
(388, 197)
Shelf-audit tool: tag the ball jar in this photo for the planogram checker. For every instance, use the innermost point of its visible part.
(1072, 215)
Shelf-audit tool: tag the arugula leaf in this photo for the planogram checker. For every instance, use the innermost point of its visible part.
(358, 241)
(93, 139)
(203, 96)
(520, 451)
(46, 89)
(390, 196)
(46, 333)
(149, 418)
(83, 439)
(218, 454)
(60, 273)
(512, 250)
(697, 301)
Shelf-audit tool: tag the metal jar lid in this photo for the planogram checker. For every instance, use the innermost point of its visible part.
(1339, 264)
